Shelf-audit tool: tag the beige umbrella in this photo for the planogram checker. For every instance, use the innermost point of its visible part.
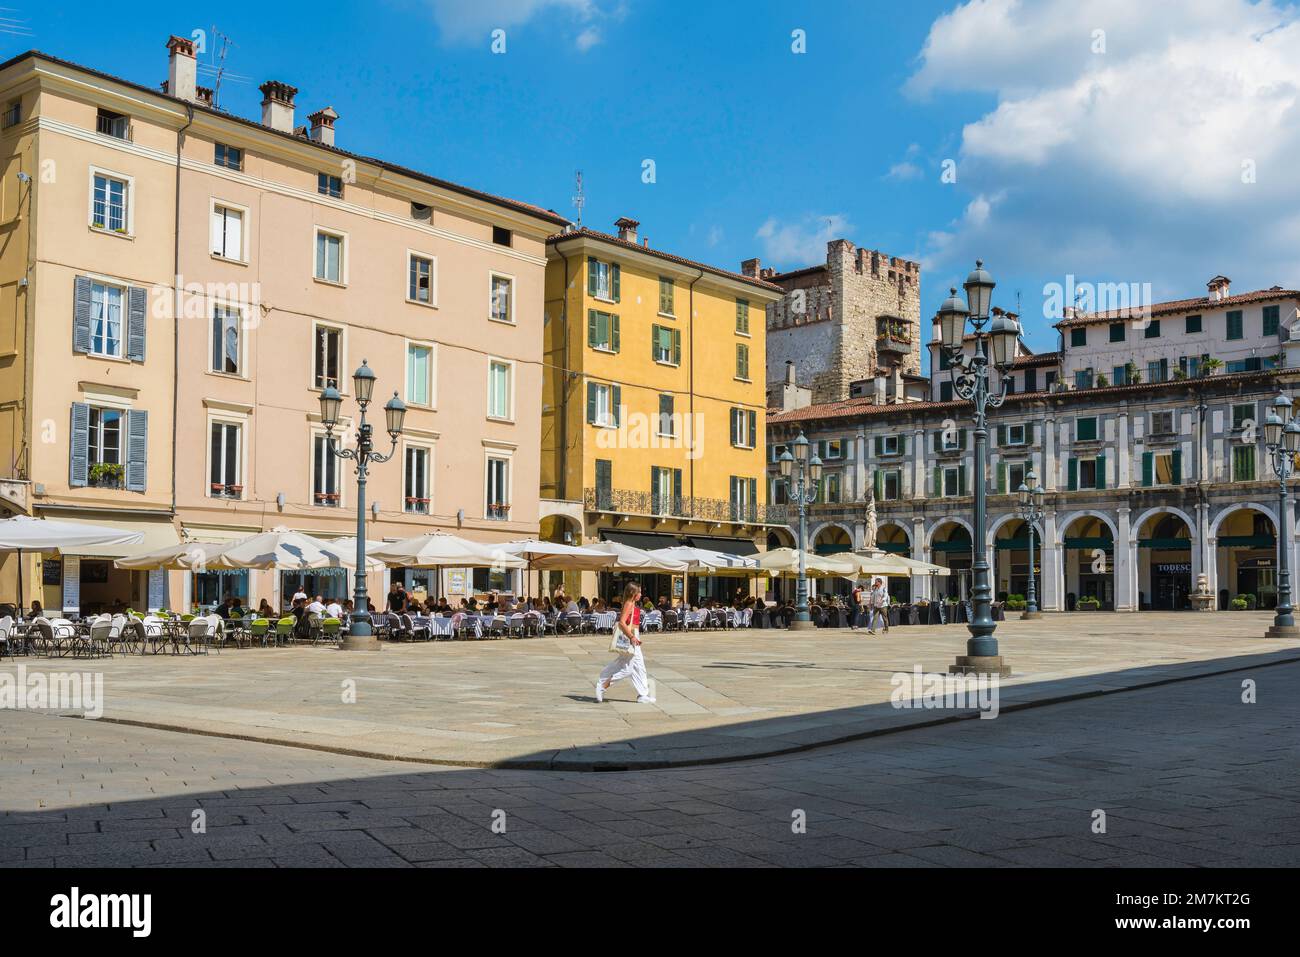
(627, 558)
(183, 556)
(784, 563)
(281, 548)
(441, 550)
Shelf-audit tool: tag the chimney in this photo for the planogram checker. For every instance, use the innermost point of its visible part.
(1220, 288)
(322, 125)
(752, 268)
(880, 389)
(789, 372)
(896, 384)
(277, 105)
(182, 69)
(627, 229)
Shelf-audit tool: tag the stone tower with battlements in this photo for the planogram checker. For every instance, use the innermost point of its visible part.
(856, 317)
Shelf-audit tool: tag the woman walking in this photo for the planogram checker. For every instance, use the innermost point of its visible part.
(630, 663)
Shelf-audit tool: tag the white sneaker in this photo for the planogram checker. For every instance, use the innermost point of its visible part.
(600, 691)
(645, 699)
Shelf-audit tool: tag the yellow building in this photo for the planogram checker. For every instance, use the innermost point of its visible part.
(653, 401)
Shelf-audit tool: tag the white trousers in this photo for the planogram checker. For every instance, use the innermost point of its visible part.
(628, 666)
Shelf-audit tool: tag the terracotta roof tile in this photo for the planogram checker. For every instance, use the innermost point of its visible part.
(546, 214)
(659, 253)
(1182, 305)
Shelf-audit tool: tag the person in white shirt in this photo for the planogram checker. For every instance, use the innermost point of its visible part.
(316, 607)
(334, 609)
(299, 594)
(879, 601)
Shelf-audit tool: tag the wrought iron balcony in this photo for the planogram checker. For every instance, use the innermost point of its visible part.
(619, 501)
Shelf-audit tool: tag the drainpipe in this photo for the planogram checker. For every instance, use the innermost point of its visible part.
(176, 296)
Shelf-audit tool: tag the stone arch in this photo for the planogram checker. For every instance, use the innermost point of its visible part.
(1240, 506)
(1064, 524)
(1164, 509)
(816, 533)
(780, 538)
(947, 520)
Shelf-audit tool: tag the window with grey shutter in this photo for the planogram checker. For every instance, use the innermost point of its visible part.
(136, 305)
(137, 450)
(79, 446)
(81, 304)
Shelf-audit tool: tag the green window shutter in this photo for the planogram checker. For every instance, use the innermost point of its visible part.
(79, 446)
(961, 480)
(677, 346)
(880, 445)
(613, 332)
(934, 441)
(593, 328)
(1002, 478)
(614, 272)
(1002, 435)
(1176, 466)
(961, 439)
(591, 275)
(734, 418)
(1101, 471)
(880, 483)
(677, 488)
(591, 402)
(1073, 473)
(753, 430)
(615, 401)
(1148, 469)
(938, 482)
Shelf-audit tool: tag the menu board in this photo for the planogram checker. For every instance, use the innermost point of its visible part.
(71, 585)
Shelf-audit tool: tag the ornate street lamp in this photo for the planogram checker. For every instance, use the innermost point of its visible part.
(361, 635)
(995, 346)
(1031, 496)
(1282, 442)
(801, 476)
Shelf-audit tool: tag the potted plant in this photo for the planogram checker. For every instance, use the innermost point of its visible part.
(1102, 381)
(1211, 366)
(106, 475)
(1132, 375)
(1237, 604)
(1251, 601)
(1089, 603)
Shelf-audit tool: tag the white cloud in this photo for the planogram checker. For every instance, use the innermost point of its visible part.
(904, 171)
(470, 22)
(792, 245)
(587, 39)
(1128, 161)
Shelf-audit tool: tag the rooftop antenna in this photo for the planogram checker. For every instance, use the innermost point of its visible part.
(217, 68)
(579, 200)
(14, 26)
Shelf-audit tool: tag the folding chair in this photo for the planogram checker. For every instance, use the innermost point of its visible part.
(7, 641)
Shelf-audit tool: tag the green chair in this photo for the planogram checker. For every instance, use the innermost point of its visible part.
(259, 630)
(284, 629)
(331, 629)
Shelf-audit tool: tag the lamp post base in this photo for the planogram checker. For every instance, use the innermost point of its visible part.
(1030, 615)
(980, 665)
(360, 643)
(797, 625)
(1283, 633)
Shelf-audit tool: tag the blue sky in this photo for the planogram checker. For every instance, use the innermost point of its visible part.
(1161, 152)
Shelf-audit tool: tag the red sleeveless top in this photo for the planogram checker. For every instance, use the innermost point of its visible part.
(636, 616)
